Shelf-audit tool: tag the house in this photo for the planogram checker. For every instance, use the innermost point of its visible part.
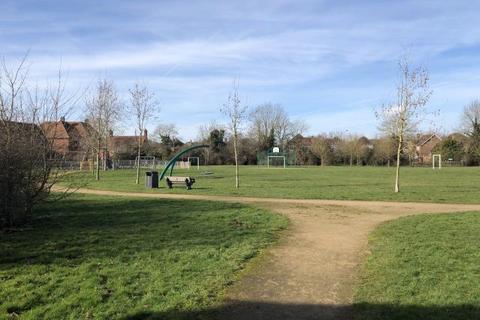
(424, 147)
(458, 137)
(21, 133)
(69, 139)
(300, 141)
(125, 146)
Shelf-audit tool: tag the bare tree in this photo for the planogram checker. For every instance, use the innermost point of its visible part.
(351, 148)
(236, 113)
(264, 123)
(322, 147)
(411, 150)
(143, 106)
(471, 126)
(166, 130)
(288, 128)
(271, 122)
(103, 111)
(470, 119)
(384, 150)
(205, 136)
(403, 116)
(27, 157)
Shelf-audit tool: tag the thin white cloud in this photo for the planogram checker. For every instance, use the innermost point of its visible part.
(282, 50)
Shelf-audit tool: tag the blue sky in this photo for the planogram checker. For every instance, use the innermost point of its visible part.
(328, 62)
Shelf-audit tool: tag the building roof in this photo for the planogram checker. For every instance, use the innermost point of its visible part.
(55, 130)
(426, 138)
(66, 129)
(460, 137)
(306, 141)
(124, 139)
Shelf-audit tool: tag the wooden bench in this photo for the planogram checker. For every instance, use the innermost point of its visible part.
(186, 181)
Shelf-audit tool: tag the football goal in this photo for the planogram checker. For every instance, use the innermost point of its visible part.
(146, 162)
(196, 161)
(276, 161)
(438, 163)
(275, 157)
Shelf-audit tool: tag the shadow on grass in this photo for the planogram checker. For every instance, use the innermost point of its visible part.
(276, 311)
(73, 229)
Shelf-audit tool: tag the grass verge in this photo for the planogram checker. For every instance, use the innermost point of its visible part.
(91, 257)
(449, 185)
(423, 267)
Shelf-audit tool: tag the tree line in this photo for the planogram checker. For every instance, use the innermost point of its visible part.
(27, 157)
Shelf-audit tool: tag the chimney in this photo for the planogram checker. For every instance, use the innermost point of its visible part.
(145, 134)
(62, 119)
(110, 132)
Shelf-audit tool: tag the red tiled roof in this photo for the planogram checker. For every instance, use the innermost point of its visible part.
(55, 130)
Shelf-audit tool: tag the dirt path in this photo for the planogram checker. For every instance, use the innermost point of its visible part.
(311, 273)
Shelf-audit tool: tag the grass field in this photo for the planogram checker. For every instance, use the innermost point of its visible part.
(90, 257)
(423, 267)
(454, 185)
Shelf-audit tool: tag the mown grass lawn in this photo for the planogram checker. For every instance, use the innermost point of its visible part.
(454, 185)
(423, 267)
(90, 257)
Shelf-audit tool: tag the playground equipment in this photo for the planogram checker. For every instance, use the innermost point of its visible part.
(171, 164)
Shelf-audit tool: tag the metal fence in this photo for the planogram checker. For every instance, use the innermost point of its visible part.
(132, 164)
(446, 163)
(116, 164)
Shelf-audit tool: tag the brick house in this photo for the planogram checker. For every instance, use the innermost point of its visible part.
(300, 141)
(125, 146)
(69, 139)
(301, 147)
(425, 146)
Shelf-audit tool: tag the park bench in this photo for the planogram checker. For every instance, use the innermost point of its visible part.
(185, 181)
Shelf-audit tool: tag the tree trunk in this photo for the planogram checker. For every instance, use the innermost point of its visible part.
(97, 170)
(137, 181)
(104, 160)
(92, 165)
(397, 175)
(237, 180)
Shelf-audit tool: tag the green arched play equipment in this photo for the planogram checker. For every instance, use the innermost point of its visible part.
(171, 163)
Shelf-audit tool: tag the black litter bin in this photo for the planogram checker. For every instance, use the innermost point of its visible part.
(151, 179)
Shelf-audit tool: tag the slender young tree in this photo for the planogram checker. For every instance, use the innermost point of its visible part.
(403, 116)
(143, 107)
(103, 111)
(236, 113)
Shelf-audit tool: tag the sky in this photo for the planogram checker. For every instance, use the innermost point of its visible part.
(330, 63)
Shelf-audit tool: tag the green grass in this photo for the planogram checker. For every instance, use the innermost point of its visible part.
(454, 185)
(423, 267)
(91, 257)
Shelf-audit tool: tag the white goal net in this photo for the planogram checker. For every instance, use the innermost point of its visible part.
(437, 161)
(276, 161)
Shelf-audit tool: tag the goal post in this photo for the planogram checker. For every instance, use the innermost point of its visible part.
(148, 162)
(439, 157)
(272, 157)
